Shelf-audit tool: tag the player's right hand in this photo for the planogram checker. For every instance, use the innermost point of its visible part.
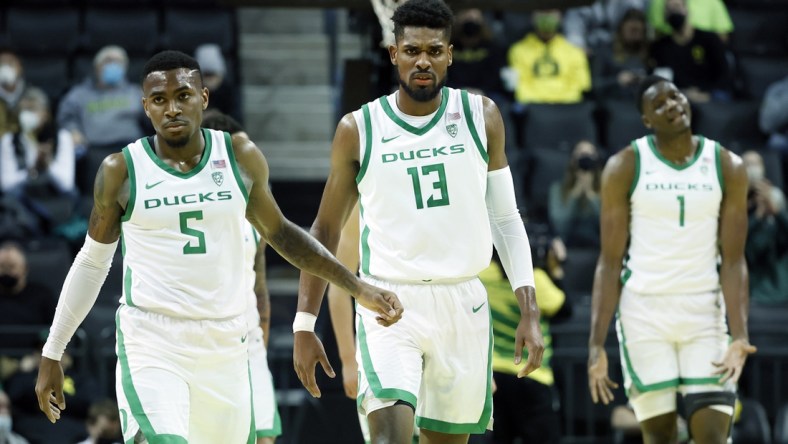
(49, 389)
(599, 383)
(307, 352)
(383, 302)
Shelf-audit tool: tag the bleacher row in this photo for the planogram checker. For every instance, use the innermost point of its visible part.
(57, 39)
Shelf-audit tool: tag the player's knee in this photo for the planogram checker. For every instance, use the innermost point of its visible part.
(659, 429)
(722, 402)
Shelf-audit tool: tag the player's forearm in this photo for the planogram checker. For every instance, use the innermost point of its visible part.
(526, 299)
(604, 300)
(316, 262)
(734, 280)
(341, 309)
(264, 310)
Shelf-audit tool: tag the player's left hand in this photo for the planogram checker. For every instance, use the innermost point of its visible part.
(528, 336)
(732, 363)
(307, 352)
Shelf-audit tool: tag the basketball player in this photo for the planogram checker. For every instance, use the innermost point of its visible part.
(672, 202)
(428, 168)
(267, 422)
(179, 198)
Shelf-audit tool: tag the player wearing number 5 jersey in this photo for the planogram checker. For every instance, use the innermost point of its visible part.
(673, 205)
(427, 167)
(179, 199)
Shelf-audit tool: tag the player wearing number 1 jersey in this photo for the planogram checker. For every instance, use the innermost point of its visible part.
(427, 167)
(673, 205)
(179, 199)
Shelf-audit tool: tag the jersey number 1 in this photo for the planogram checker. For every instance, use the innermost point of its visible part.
(681, 210)
(439, 185)
(188, 248)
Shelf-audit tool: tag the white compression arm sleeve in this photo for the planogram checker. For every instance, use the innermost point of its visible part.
(508, 231)
(79, 293)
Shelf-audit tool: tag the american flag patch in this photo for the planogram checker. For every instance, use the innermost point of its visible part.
(219, 164)
(453, 116)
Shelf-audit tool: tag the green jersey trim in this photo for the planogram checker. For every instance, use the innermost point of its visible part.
(252, 438)
(364, 242)
(132, 185)
(372, 376)
(134, 400)
(127, 276)
(206, 154)
(410, 128)
(228, 143)
(466, 107)
(718, 158)
(367, 143)
(637, 168)
(698, 150)
(484, 419)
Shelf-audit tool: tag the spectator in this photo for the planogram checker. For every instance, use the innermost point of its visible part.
(619, 66)
(103, 423)
(591, 27)
(7, 435)
(694, 59)
(477, 59)
(706, 15)
(767, 235)
(12, 77)
(104, 110)
(21, 302)
(549, 68)
(7, 119)
(37, 162)
(536, 419)
(773, 117)
(224, 95)
(573, 205)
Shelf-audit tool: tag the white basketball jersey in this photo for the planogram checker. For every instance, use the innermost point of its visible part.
(422, 185)
(183, 240)
(674, 221)
(251, 241)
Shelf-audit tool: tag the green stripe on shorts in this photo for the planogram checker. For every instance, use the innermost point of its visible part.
(372, 376)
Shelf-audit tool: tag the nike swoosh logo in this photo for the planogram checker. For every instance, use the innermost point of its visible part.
(475, 309)
(243, 339)
(384, 140)
(151, 185)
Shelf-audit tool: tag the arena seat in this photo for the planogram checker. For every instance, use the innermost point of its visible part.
(559, 126)
(186, 29)
(48, 72)
(781, 425)
(48, 262)
(30, 31)
(622, 124)
(545, 166)
(760, 72)
(753, 425)
(759, 31)
(134, 29)
(579, 268)
(733, 124)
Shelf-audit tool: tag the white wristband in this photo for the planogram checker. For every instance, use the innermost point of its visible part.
(304, 321)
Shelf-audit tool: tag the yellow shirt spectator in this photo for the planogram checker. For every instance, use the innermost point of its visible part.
(555, 71)
(706, 15)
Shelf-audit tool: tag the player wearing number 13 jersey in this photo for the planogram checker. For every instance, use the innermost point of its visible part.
(673, 207)
(427, 167)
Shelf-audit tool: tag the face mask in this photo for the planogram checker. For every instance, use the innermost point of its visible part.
(471, 29)
(676, 20)
(5, 424)
(586, 163)
(112, 73)
(7, 75)
(755, 173)
(29, 120)
(8, 282)
(547, 24)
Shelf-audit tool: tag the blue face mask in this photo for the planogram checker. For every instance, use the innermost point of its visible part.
(5, 424)
(112, 73)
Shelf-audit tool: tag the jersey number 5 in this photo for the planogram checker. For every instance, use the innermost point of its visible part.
(188, 248)
(440, 185)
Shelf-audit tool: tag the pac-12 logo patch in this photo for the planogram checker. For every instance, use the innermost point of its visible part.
(452, 129)
(218, 178)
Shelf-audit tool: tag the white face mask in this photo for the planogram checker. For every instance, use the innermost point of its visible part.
(8, 75)
(29, 120)
(5, 425)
